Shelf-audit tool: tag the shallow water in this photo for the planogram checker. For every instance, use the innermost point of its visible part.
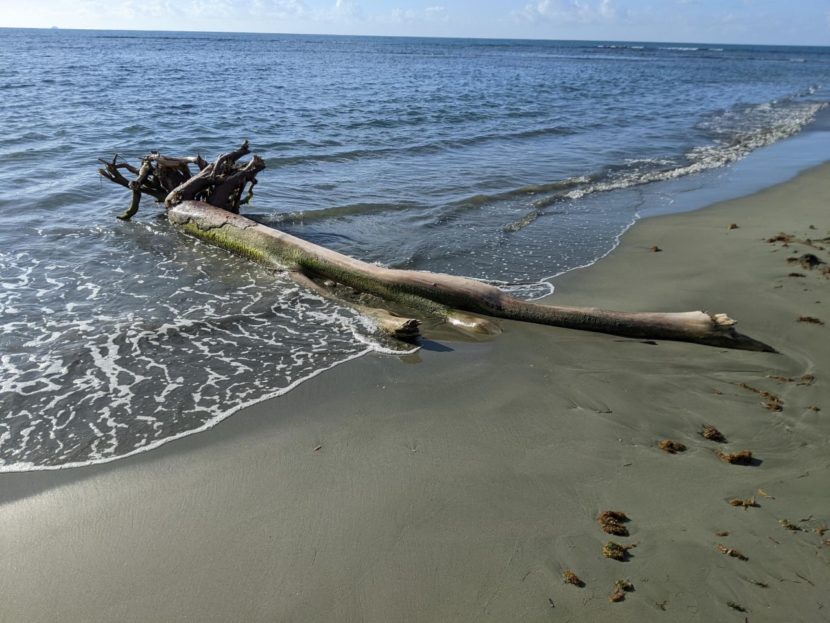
(503, 160)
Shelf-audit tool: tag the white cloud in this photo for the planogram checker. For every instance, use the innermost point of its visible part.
(278, 9)
(570, 11)
(431, 14)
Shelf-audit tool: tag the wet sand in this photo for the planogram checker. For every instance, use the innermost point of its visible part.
(458, 484)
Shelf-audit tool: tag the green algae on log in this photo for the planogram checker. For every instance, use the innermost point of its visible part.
(440, 294)
(206, 204)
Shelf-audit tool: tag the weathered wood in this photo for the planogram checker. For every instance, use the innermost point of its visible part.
(206, 205)
(441, 294)
(169, 179)
(398, 327)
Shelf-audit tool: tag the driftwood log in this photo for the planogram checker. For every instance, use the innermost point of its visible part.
(206, 205)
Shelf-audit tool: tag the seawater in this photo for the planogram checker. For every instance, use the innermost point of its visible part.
(507, 161)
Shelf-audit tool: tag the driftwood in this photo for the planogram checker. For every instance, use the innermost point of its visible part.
(206, 205)
(170, 180)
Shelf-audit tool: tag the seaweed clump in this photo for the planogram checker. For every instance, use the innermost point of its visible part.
(672, 447)
(616, 551)
(571, 578)
(612, 522)
(712, 434)
(742, 457)
(621, 587)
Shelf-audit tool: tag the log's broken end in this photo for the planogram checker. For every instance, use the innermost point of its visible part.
(724, 334)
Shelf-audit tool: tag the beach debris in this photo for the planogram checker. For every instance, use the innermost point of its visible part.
(806, 379)
(814, 408)
(736, 606)
(731, 552)
(808, 261)
(712, 434)
(742, 457)
(616, 551)
(781, 237)
(662, 605)
(612, 522)
(621, 587)
(732, 226)
(722, 533)
(764, 494)
(670, 446)
(810, 320)
(550, 601)
(655, 249)
(759, 583)
(788, 525)
(203, 200)
(820, 530)
(744, 502)
(317, 448)
(771, 401)
(571, 578)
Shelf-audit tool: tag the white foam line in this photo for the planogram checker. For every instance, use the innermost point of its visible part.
(30, 467)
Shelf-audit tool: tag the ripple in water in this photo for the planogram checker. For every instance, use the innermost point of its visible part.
(102, 367)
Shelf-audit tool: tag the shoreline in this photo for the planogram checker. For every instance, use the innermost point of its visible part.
(460, 482)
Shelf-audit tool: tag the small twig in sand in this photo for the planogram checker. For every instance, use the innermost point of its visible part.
(788, 525)
(723, 549)
(744, 502)
(736, 606)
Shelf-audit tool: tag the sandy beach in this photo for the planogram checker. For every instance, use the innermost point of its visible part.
(458, 484)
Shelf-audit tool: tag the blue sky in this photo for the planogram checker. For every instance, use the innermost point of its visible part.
(805, 22)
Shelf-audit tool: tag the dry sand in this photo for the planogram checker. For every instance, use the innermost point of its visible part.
(459, 484)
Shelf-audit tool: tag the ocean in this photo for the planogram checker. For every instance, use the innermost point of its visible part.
(506, 161)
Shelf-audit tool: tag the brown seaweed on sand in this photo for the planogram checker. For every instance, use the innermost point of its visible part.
(731, 552)
(611, 522)
(571, 578)
(744, 502)
(621, 587)
(811, 320)
(788, 525)
(712, 434)
(616, 551)
(742, 457)
(772, 401)
(808, 261)
(806, 379)
(672, 447)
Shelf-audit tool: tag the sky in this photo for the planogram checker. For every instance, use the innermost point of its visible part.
(793, 22)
